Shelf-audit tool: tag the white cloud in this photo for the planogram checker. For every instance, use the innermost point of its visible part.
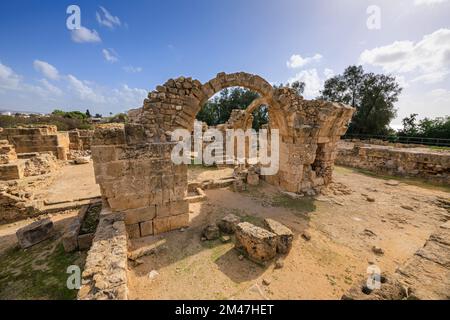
(429, 58)
(131, 69)
(46, 69)
(110, 55)
(313, 81)
(8, 78)
(130, 97)
(85, 35)
(428, 2)
(84, 91)
(441, 96)
(105, 18)
(16, 94)
(51, 88)
(328, 73)
(297, 61)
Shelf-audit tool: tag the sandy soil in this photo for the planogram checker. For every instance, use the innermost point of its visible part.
(201, 173)
(343, 228)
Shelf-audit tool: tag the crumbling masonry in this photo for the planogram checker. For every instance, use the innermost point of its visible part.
(133, 163)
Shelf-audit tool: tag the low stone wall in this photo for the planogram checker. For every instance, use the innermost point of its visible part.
(38, 139)
(412, 162)
(105, 273)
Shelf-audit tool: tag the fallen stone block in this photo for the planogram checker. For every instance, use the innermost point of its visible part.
(252, 179)
(85, 241)
(257, 243)
(34, 233)
(228, 223)
(82, 160)
(211, 232)
(284, 235)
(239, 185)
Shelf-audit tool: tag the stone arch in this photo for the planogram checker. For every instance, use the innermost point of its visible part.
(138, 178)
(222, 81)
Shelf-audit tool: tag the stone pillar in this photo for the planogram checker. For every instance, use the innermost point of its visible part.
(140, 180)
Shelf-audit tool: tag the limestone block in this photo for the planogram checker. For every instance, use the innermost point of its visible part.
(34, 233)
(134, 231)
(146, 228)
(127, 201)
(179, 221)
(161, 225)
(253, 179)
(179, 207)
(85, 241)
(134, 216)
(163, 210)
(228, 223)
(102, 154)
(70, 237)
(258, 244)
(283, 233)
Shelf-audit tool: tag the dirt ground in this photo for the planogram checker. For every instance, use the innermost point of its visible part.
(344, 226)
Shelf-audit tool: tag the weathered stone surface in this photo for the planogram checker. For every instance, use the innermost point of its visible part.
(399, 161)
(228, 223)
(253, 179)
(284, 235)
(257, 243)
(146, 228)
(211, 232)
(85, 241)
(82, 160)
(133, 230)
(34, 233)
(105, 272)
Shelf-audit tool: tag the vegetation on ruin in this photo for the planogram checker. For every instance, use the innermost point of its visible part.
(91, 220)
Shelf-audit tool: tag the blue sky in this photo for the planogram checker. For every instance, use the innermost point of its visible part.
(126, 48)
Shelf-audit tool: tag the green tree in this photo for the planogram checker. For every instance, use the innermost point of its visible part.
(373, 96)
(88, 114)
(218, 109)
(426, 128)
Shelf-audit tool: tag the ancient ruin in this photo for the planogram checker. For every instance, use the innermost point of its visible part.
(417, 162)
(37, 139)
(135, 171)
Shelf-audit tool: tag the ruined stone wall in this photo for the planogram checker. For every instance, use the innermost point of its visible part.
(37, 139)
(416, 163)
(137, 176)
(80, 140)
(140, 180)
(10, 168)
(105, 272)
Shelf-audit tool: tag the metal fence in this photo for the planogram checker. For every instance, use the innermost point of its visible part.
(401, 139)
